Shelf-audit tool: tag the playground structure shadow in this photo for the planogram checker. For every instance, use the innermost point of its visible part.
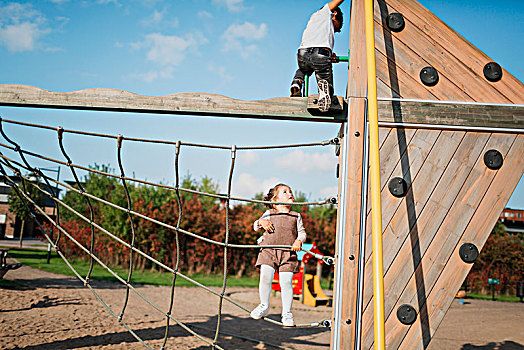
(230, 324)
(505, 345)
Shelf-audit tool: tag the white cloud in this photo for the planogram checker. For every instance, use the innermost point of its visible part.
(168, 49)
(21, 26)
(239, 37)
(114, 2)
(232, 5)
(167, 52)
(247, 185)
(155, 18)
(221, 71)
(302, 162)
(329, 191)
(204, 14)
(248, 157)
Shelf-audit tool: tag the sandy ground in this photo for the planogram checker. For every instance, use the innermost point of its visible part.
(49, 311)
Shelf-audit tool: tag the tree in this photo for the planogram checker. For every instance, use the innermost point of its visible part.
(22, 207)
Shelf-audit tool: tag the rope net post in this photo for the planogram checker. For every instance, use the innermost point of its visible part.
(133, 234)
(60, 133)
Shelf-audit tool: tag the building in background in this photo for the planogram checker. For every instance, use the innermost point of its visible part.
(513, 220)
(10, 224)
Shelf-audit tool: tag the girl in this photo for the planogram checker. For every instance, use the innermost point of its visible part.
(282, 227)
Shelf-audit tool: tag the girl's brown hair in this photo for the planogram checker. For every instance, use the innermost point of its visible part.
(272, 194)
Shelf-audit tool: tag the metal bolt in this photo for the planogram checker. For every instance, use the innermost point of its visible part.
(351, 257)
(348, 321)
(357, 134)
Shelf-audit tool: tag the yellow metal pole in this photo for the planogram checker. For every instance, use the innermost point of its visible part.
(376, 212)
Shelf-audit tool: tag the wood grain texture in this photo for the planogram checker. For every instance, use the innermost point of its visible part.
(286, 108)
(476, 231)
(356, 92)
(420, 50)
(496, 116)
(352, 224)
(446, 40)
(436, 241)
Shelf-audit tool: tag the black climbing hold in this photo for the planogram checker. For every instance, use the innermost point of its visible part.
(351, 257)
(468, 252)
(395, 22)
(493, 159)
(398, 187)
(429, 76)
(493, 71)
(357, 134)
(406, 314)
(348, 321)
(315, 101)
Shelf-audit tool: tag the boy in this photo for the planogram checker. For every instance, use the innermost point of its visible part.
(315, 53)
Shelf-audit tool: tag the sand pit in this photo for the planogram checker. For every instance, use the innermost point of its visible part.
(49, 311)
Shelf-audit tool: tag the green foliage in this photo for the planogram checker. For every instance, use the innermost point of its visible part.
(16, 204)
(200, 215)
(501, 258)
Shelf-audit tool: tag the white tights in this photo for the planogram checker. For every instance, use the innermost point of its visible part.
(286, 286)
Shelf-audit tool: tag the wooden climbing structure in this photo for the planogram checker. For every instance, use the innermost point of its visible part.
(451, 142)
(451, 153)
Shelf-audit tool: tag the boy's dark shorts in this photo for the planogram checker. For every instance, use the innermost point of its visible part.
(280, 260)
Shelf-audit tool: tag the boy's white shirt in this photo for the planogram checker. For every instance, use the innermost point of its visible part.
(301, 231)
(319, 31)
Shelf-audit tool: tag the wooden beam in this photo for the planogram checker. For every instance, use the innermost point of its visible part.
(280, 108)
(474, 115)
(113, 100)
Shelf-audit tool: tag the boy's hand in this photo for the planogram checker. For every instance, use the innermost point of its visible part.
(266, 225)
(296, 246)
(335, 58)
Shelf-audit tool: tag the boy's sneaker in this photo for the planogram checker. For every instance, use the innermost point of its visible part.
(287, 320)
(260, 311)
(324, 99)
(296, 90)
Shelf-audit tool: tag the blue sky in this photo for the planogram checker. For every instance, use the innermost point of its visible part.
(238, 48)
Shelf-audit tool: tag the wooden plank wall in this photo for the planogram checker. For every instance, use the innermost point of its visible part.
(452, 198)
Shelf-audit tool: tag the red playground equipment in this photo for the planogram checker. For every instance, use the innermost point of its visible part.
(306, 286)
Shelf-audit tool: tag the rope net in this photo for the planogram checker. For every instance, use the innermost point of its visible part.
(51, 190)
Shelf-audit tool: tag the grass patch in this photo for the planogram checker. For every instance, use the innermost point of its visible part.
(506, 298)
(37, 259)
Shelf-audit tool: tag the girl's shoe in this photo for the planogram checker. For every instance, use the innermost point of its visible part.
(324, 99)
(287, 320)
(260, 311)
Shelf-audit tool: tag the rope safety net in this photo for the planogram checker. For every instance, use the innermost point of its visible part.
(51, 190)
